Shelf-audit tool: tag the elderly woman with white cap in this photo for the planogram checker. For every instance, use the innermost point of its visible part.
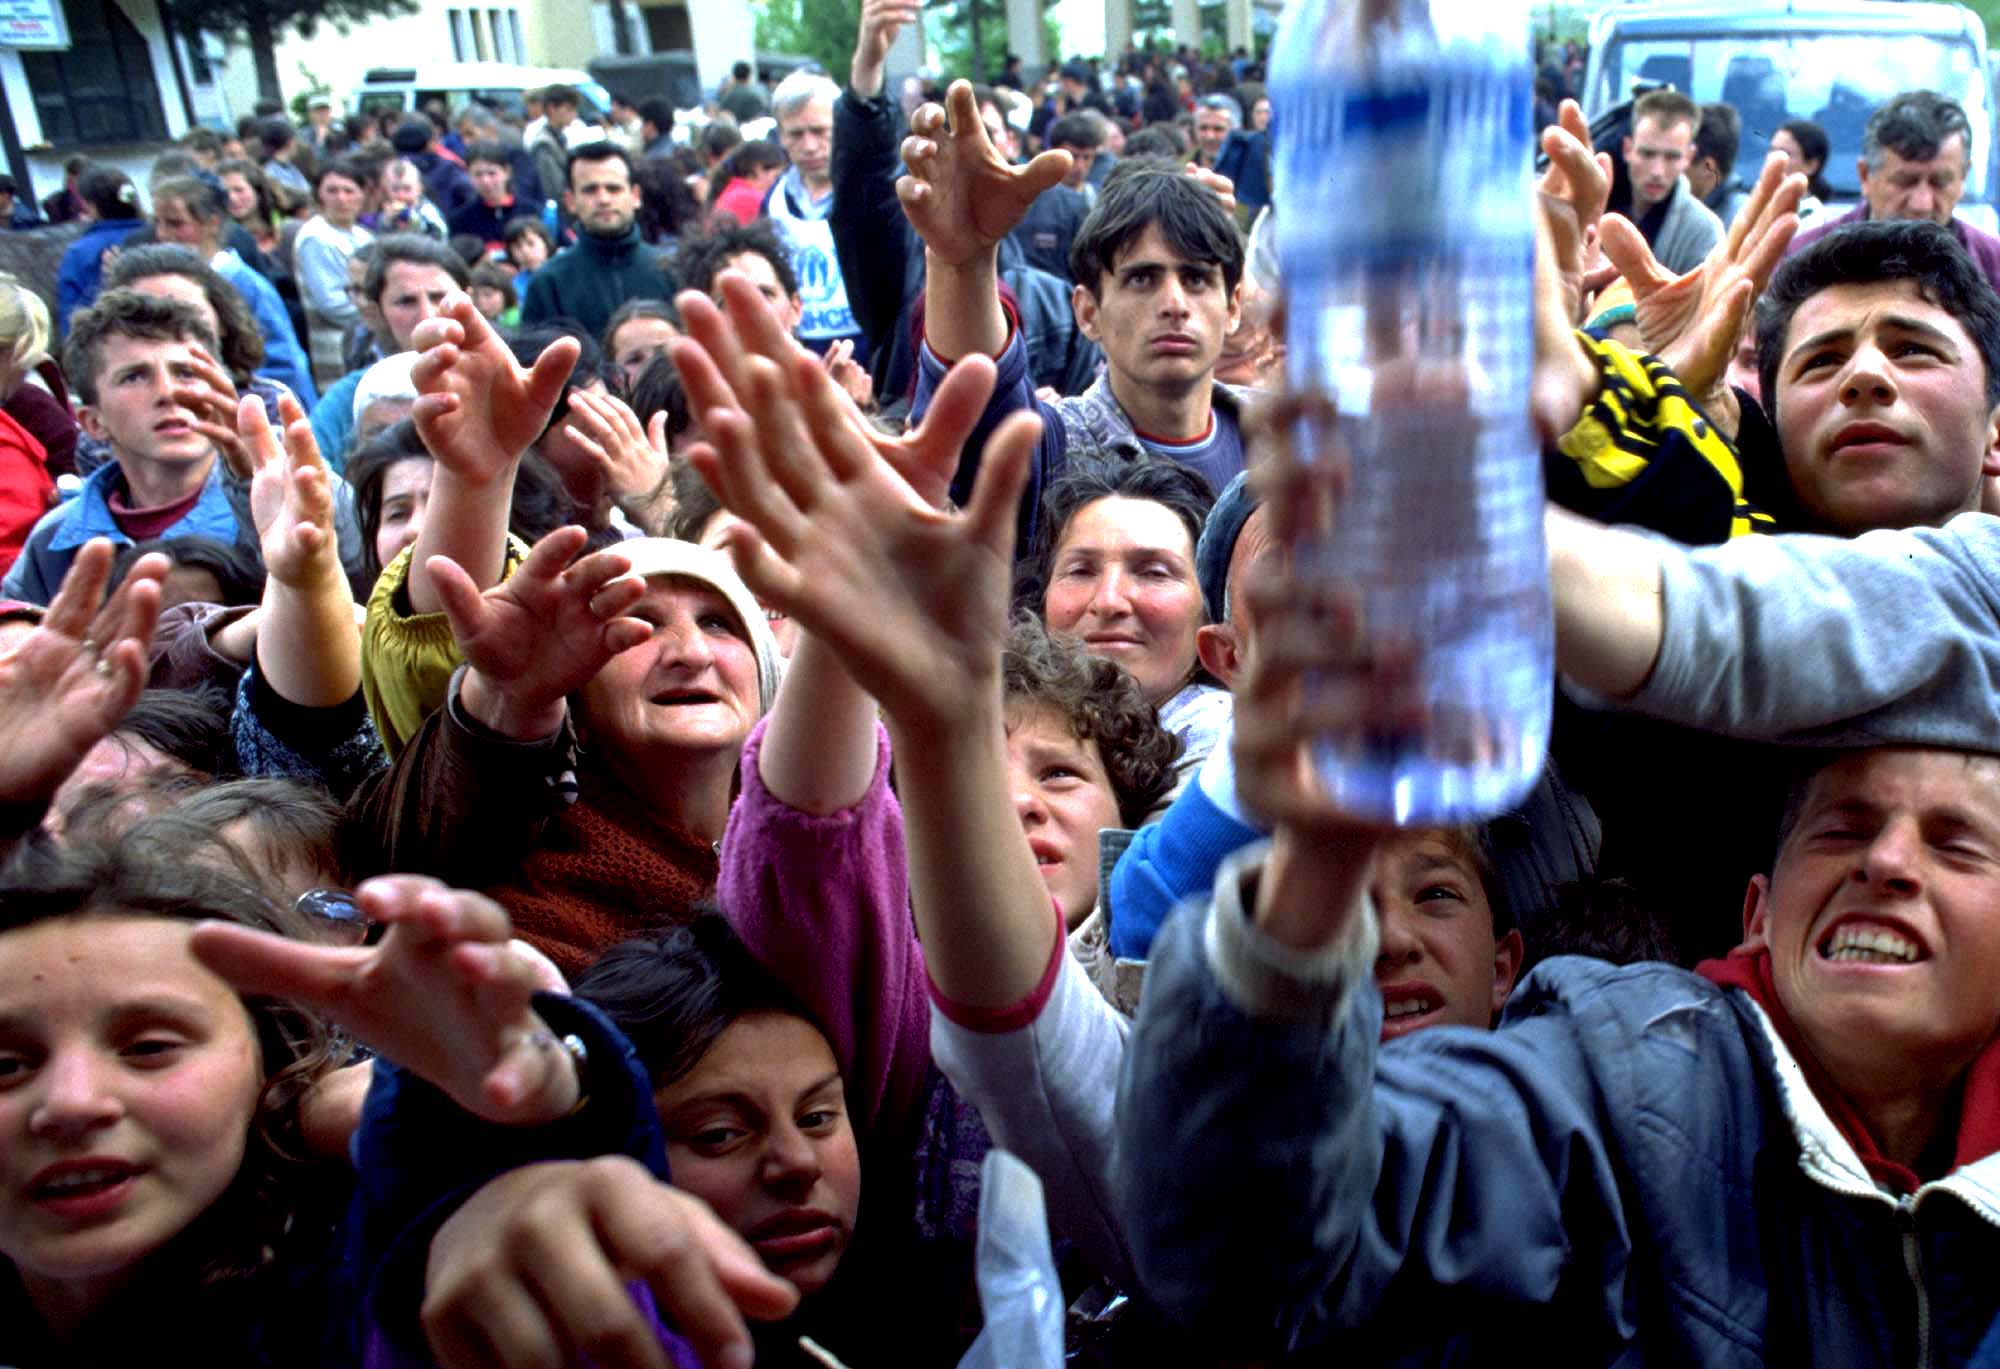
(582, 768)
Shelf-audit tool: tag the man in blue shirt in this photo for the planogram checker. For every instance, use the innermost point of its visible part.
(133, 360)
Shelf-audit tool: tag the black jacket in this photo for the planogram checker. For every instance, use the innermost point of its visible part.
(588, 280)
(882, 260)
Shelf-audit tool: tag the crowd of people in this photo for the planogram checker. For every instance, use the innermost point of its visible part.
(561, 823)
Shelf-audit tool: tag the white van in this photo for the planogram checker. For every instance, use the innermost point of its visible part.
(499, 84)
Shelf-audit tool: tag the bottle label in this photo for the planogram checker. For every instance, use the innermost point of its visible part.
(1421, 160)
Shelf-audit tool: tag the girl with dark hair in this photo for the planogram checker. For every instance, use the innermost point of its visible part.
(634, 337)
(711, 1024)
(1805, 147)
(529, 247)
(112, 202)
(737, 186)
(667, 208)
(205, 571)
(151, 1123)
(391, 479)
(247, 196)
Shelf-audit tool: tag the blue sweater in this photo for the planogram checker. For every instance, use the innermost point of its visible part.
(1176, 858)
(81, 274)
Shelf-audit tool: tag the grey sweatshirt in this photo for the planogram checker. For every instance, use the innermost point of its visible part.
(1892, 637)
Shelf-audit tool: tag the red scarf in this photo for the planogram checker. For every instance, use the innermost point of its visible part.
(1979, 1109)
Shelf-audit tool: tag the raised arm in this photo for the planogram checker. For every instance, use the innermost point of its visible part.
(915, 601)
(308, 643)
(881, 21)
(478, 411)
(1609, 614)
(1252, 1095)
(963, 198)
(65, 685)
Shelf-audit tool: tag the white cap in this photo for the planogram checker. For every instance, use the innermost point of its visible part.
(389, 378)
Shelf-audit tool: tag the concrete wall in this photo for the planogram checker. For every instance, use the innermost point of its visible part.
(558, 32)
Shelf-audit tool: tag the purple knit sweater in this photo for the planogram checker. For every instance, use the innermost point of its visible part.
(824, 904)
(1984, 247)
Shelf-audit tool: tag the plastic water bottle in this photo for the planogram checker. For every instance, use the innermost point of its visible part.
(1406, 248)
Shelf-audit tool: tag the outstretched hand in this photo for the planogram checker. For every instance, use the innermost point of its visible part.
(443, 995)
(1693, 322)
(533, 1269)
(542, 633)
(632, 455)
(712, 360)
(477, 408)
(913, 599)
(1572, 194)
(211, 396)
(65, 685)
(960, 194)
(291, 497)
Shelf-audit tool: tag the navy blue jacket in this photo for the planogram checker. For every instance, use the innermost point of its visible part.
(1631, 1168)
(1246, 160)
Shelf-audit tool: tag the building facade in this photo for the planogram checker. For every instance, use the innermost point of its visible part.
(103, 78)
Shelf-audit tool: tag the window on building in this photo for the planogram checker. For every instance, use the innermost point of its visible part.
(503, 48)
(668, 28)
(514, 28)
(458, 39)
(102, 89)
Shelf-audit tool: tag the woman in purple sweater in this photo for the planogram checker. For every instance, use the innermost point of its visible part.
(1002, 795)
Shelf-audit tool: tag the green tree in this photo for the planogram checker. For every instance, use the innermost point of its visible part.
(821, 29)
(969, 37)
(260, 23)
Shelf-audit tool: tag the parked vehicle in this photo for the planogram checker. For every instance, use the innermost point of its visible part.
(1830, 61)
(499, 84)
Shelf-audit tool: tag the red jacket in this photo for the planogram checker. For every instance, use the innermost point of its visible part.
(27, 490)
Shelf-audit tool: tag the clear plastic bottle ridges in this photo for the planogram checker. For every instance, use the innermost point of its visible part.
(1406, 248)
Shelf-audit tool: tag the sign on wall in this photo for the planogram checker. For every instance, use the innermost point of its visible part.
(32, 24)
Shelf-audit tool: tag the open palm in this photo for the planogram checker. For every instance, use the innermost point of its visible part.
(291, 497)
(477, 408)
(551, 626)
(1694, 321)
(65, 685)
(713, 366)
(913, 599)
(961, 196)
